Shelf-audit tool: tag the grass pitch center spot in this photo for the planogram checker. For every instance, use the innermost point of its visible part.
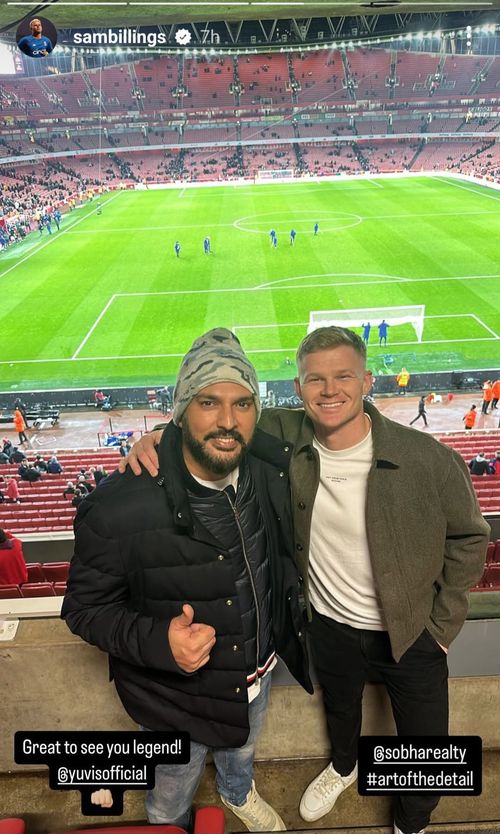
(302, 221)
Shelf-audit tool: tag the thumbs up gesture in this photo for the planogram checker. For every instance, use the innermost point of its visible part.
(190, 643)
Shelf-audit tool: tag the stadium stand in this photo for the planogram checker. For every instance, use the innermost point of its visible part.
(43, 507)
(389, 93)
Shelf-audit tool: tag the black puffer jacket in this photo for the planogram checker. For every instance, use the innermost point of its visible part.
(140, 555)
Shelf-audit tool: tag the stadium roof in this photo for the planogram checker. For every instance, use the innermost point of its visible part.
(141, 12)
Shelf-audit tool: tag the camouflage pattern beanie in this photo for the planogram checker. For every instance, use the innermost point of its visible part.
(217, 356)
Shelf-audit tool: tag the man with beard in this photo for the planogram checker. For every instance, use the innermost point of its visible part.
(186, 579)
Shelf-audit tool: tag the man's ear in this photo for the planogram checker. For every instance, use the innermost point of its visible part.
(296, 385)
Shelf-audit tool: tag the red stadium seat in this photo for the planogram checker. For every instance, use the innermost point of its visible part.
(12, 826)
(37, 589)
(492, 576)
(59, 589)
(490, 552)
(10, 592)
(56, 571)
(35, 572)
(209, 820)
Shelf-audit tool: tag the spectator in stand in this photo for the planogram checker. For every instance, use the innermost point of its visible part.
(487, 396)
(70, 489)
(17, 456)
(125, 448)
(13, 570)
(3, 458)
(99, 398)
(479, 465)
(40, 464)
(496, 394)
(99, 474)
(470, 418)
(84, 485)
(12, 491)
(54, 467)
(8, 448)
(495, 464)
(20, 425)
(78, 497)
(28, 472)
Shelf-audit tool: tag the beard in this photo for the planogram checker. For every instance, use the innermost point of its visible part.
(221, 463)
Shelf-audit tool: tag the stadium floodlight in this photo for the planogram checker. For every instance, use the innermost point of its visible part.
(413, 315)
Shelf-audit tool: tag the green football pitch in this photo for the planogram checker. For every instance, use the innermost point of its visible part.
(105, 302)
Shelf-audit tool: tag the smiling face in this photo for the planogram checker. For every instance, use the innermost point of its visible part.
(217, 427)
(332, 383)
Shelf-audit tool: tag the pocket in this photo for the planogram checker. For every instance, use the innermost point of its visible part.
(432, 642)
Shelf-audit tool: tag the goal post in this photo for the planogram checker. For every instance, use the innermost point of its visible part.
(373, 315)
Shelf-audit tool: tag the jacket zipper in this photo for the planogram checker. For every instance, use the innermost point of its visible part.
(257, 612)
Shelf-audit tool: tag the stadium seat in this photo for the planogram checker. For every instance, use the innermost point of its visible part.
(35, 572)
(37, 589)
(492, 575)
(10, 592)
(490, 553)
(55, 571)
(59, 589)
(12, 826)
(209, 820)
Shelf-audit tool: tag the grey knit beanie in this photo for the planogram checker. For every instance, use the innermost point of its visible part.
(217, 356)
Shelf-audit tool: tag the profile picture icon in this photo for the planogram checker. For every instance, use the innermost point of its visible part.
(36, 37)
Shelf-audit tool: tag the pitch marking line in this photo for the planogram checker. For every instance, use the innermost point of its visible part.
(54, 237)
(480, 321)
(127, 229)
(89, 334)
(393, 279)
(262, 350)
(426, 318)
(471, 190)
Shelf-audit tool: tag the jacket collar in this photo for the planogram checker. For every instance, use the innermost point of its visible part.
(386, 450)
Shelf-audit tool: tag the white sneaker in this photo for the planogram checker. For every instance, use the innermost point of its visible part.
(256, 814)
(321, 795)
(398, 830)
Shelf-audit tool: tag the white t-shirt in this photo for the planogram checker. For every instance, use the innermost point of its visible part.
(342, 585)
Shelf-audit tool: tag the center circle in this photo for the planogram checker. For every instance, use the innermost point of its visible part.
(302, 221)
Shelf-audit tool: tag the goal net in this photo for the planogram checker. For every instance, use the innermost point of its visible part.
(267, 174)
(373, 315)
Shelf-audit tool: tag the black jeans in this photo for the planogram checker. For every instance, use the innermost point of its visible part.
(417, 686)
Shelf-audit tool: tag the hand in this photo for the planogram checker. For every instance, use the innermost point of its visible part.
(102, 797)
(442, 647)
(143, 451)
(190, 642)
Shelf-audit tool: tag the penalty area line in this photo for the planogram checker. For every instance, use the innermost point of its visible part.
(481, 322)
(258, 350)
(89, 334)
